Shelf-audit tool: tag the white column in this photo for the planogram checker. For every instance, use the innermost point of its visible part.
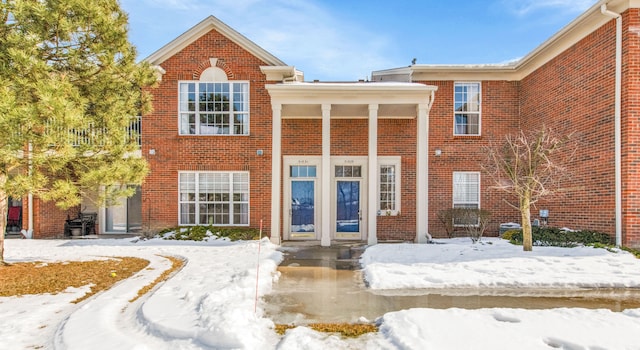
(372, 207)
(325, 189)
(422, 176)
(276, 173)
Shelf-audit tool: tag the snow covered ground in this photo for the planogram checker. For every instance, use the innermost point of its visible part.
(210, 303)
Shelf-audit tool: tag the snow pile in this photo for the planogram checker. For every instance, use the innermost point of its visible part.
(495, 263)
(210, 303)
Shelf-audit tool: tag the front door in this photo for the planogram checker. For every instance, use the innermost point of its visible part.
(348, 212)
(303, 199)
(348, 197)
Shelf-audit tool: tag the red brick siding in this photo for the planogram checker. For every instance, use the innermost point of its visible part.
(399, 138)
(630, 127)
(574, 93)
(349, 137)
(48, 220)
(464, 153)
(205, 153)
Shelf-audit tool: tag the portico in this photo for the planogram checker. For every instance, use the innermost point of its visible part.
(329, 196)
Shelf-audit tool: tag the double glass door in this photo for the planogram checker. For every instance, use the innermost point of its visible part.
(304, 196)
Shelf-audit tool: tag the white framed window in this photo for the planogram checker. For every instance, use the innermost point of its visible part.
(466, 194)
(467, 108)
(389, 185)
(466, 189)
(213, 108)
(213, 198)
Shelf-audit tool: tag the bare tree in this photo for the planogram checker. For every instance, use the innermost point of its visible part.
(476, 222)
(530, 166)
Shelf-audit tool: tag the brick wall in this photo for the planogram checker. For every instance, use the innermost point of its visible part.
(349, 137)
(465, 153)
(631, 127)
(574, 93)
(48, 220)
(175, 153)
(399, 138)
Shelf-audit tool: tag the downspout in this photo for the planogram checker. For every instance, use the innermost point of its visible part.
(30, 199)
(617, 120)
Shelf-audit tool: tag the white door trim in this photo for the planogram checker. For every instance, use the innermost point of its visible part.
(361, 161)
(288, 162)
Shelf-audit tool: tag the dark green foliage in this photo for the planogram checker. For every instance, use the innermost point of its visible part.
(200, 233)
(508, 235)
(550, 236)
(635, 252)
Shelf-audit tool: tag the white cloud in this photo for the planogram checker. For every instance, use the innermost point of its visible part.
(173, 4)
(526, 7)
(301, 33)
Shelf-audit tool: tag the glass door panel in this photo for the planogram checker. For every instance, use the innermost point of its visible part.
(126, 215)
(134, 211)
(116, 217)
(348, 206)
(302, 206)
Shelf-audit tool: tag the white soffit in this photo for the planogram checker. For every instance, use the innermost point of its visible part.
(350, 93)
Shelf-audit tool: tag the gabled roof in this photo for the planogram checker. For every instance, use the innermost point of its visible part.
(200, 29)
(572, 33)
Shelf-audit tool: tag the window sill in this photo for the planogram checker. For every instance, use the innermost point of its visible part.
(467, 136)
(212, 135)
(388, 213)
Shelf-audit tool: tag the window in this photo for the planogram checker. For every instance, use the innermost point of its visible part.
(466, 190)
(466, 194)
(214, 108)
(466, 109)
(214, 198)
(389, 186)
(348, 171)
(303, 171)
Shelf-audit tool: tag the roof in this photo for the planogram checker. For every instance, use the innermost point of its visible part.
(351, 93)
(205, 26)
(572, 33)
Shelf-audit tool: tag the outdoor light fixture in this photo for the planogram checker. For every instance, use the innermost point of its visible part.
(438, 151)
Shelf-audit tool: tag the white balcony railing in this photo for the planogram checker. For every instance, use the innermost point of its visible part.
(88, 135)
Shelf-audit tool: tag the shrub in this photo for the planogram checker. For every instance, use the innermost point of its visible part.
(635, 252)
(476, 222)
(509, 234)
(470, 220)
(201, 233)
(446, 217)
(549, 236)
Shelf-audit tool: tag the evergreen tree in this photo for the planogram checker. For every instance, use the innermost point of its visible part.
(70, 88)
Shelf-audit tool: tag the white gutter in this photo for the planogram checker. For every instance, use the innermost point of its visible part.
(617, 120)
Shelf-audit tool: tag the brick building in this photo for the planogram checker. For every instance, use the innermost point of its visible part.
(237, 137)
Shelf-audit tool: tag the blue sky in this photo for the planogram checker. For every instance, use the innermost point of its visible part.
(344, 40)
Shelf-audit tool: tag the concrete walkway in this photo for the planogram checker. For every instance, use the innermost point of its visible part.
(339, 256)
